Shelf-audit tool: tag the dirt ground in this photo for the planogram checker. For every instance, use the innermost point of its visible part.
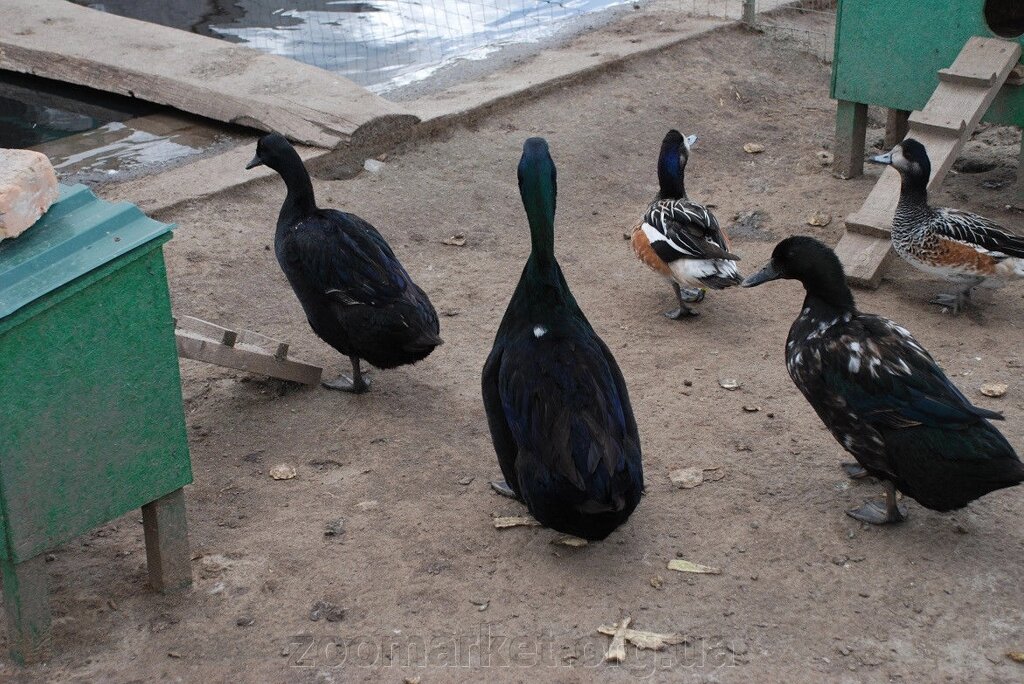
(389, 518)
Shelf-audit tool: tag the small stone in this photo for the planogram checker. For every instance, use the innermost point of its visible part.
(737, 647)
(688, 383)
(373, 166)
(843, 650)
(283, 471)
(28, 186)
(840, 560)
(825, 158)
(173, 654)
(994, 389)
(466, 481)
(334, 528)
(456, 240)
(245, 621)
(753, 148)
(657, 581)
(751, 409)
(729, 383)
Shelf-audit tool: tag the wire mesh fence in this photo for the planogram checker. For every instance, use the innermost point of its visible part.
(384, 44)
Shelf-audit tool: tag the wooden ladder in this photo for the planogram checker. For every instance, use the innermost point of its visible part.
(243, 350)
(965, 91)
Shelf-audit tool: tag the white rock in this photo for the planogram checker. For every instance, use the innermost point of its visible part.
(28, 186)
(373, 166)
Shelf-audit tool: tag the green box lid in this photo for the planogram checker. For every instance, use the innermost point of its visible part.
(79, 233)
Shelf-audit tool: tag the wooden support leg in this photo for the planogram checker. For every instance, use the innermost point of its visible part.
(851, 134)
(1020, 174)
(28, 609)
(897, 123)
(167, 554)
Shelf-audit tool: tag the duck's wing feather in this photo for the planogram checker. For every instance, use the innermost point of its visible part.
(978, 231)
(889, 380)
(685, 230)
(566, 409)
(346, 259)
(501, 434)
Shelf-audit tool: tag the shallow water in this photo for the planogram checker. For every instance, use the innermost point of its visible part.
(380, 44)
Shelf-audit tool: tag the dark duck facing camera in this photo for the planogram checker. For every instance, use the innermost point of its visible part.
(883, 397)
(963, 248)
(357, 296)
(556, 402)
(681, 239)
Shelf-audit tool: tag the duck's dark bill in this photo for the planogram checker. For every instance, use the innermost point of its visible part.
(882, 158)
(769, 272)
(256, 161)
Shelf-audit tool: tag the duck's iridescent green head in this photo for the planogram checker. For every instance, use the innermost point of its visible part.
(538, 186)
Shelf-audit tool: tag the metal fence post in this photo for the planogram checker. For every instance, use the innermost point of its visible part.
(750, 12)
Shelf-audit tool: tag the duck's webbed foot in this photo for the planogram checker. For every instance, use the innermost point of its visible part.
(688, 295)
(881, 512)
(854, 471)
(501, 487)
(357, 384)
(956, 301)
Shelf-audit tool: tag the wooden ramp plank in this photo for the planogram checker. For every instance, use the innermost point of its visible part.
(205, 76)
(243, 350)
(965, 91)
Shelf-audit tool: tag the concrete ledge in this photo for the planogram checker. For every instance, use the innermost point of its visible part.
(62, 41)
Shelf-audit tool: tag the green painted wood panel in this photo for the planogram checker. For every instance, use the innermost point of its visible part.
(93, 422)
(889, 52)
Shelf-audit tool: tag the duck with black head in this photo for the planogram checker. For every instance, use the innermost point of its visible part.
(883, 397)
(356, 295)
(964, 248)
(681, 239)
(556, 403)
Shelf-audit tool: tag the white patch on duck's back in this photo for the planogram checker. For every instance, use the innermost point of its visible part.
(539, 331)
(652, 233)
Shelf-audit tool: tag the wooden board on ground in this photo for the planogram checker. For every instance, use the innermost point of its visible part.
(243, 350)
(205, 76)
(965, 91)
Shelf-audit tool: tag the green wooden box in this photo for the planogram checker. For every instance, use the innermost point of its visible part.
(93, 424)
(888, 53)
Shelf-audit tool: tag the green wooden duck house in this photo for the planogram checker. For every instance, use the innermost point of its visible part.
(93, 423)
(889, 54)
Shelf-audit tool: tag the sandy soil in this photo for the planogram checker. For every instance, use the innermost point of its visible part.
(400, 474)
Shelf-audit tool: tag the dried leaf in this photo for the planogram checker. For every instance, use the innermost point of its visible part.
(570, 540)
(515, 521)
(819, 219)
(753, 148)
(994, 389)
(617, 650)
(687, 478)
(1016, 656)
(680, 565)
(649, 641)
(282, 472)
(457, 240)
(751, 409)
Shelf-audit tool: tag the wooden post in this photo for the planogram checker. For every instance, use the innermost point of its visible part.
(749, 12)
(897, 123)
(27, 605)
(851, 134)
(1020, 174)
(167, 553)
